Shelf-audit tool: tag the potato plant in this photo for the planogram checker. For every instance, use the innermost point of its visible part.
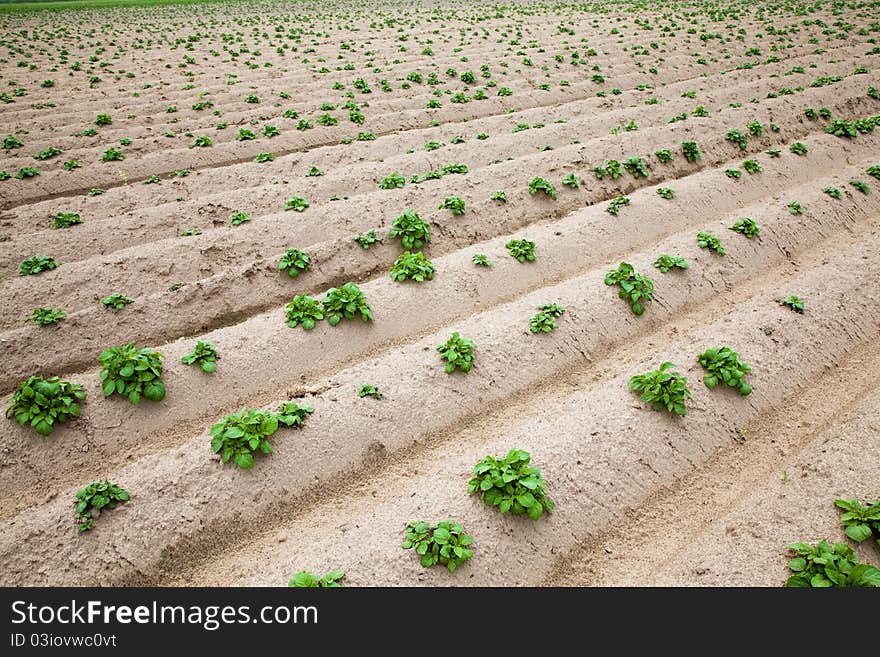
(794, 302)
(413, 231)
(747, 227)
(369, 390)
(293, 261)
(444, 543)
(542, 185)
(132, 372)
(665, 262)
(346, 302)
(46, 316)
(458, 352)
(296, 203)
(860, 521)
(306, 580)
(304, 310)
(412, 266)
(116, 301)
(44, 402)
(241, 435)
(367, 239)
(706, 240)
(481, 260)
(723, 365)
(662, 389)
(37, 265)
(204, 354)
(511, 484)
(521, 250)
(635, 289)
(95, 499)
(66, 220)
(824, 566)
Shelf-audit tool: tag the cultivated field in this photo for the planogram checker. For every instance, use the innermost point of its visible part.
(211, 173)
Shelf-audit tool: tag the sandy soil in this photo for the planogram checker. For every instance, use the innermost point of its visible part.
(642, 498)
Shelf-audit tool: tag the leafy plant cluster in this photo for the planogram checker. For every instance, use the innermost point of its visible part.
(204, 354)
(545, 320)
(662, 388)
(345, 302)
(635, 289)
(96, 497)
(511, 484)
(45, 402)
(241, 435)
(725, 366)
(444, 543)
(132, 372)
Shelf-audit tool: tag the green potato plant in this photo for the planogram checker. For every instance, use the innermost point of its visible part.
(97, 496)
(45, 402)
(204, 354)
(444, 543)
(346, 302)
(724, 365)
(511, 484)
(458, 352)
(635, 289)
(132, 372)
(662, 389)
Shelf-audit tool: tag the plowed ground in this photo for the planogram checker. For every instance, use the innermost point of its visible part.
(641, 497)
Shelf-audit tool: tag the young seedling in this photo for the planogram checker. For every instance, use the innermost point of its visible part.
(453, 203)
(346, 302)
(751, 167)
(736, 174)
(795, 208)
(691, 151)
(46, 316)
(542, 185)
(369, 390)
(522, 250)
(824, 566)
(709, 241)
(612, 168)
(635, 288)
(314, 172)
(571, 180)
(239, 217)
(798, 148)
(45, 402)
(738, 138)
(499, 196)
(481, 260)
(444, 543)
(239, 435)
(204, 354)
(665, 192)
(774, 152)
(637, 167)
(132, 373)
(861, 186)
(117, 301)
(412, 266)
(833, 192)
(66, 220)
(511, 484)
(264, 157)
(794, 302)
(665, 262)
(393, 181)
(615, 205)
(723, 365)
(304, 310)
(665, 155)
(112, 154)
(305, 580)
(97, 496)
(747, 227)
(458, 352)
(367, 239)
(663, 389)
(296, 203)
(860, 521)
(873, 171)
(545, 321)
(294, 261)
(36, 265)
